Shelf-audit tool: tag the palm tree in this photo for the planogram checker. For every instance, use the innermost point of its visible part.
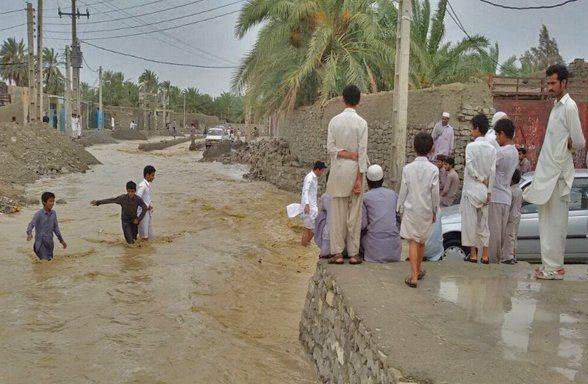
(54, 82)
(14, 65)
(148, 81)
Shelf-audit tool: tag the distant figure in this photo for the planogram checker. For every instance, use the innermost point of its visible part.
(507, 161)
(112, 122)
(309, 201)
(144, 192)
(46, 119)
(380, 237)
(132, 125)
(524, 162)
(347, 140)
(478, 179)
(193, 133)
(45, 224)
(514, 217)
(129, 204)
(452, 182)
(174, 129)
(76, 127)
(554, 174)
(418, 204)
(443, 137)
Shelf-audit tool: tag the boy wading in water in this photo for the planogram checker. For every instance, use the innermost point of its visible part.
(418, 204)
(144, 192)
(129, 204)
(45, 224)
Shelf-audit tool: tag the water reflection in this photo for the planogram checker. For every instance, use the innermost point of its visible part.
(528, 321)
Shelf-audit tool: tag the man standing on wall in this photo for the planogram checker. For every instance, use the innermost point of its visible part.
(347, 146)
(554, 174)
(443, 137)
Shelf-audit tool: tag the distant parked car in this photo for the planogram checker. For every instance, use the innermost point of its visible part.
(216, 134)
(528, 246)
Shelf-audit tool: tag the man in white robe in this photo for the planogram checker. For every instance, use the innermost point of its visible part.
(491, 134)
(347, 146)
(554, 174)
(309, 201)
(144, 192)
(443, 137)
(477, 186)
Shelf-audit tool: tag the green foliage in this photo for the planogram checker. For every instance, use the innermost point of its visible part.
(14, 62)
(54, 82)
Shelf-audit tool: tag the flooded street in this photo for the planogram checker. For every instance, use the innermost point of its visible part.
(216, 298)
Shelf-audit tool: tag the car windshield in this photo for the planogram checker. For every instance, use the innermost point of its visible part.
(215, 132)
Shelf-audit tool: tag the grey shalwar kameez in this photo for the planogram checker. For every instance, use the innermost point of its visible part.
(380, 237)
(45, 225)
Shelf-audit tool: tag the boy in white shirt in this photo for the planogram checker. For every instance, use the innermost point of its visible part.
(144, 192)
(418, 204)
(309, 201)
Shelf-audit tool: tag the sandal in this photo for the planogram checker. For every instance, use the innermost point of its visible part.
(408, 282)
(469, 260)
(355, 260)
(337, 260)
(422, 274)
(486, 261)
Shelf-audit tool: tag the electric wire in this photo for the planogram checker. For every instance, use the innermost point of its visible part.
(536, 7)
(14, 26)
(13, 11)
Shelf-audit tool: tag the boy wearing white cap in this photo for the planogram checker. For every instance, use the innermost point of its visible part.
(380, 238)
(309, 201)
(491, 134)
(443, 137)
(418, 204)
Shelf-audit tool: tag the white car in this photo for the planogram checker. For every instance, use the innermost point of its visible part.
(528, 246)
(217, 134)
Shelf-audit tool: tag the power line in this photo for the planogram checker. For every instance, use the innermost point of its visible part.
(149, 24)
(528, 8)
(88, 65)
(14, 26)
(14, 10)
(158, 61)
(112, 10)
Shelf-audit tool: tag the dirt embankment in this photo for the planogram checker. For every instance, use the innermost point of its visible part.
(28, 152)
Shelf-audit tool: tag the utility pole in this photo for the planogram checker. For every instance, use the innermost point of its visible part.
(76, 54)
(67, 125)
(100, 111)
(400, 107)
(31, 64)
(184, 109)
(41, 112)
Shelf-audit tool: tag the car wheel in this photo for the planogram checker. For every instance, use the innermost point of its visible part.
(453, 249)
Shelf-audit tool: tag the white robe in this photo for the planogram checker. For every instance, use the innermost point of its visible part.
(309, 197)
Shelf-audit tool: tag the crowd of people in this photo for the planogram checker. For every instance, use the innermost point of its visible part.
(369, 226)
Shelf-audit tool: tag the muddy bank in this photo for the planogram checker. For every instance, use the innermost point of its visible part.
(96, 137)
(29, 152)
(127, 134)
(147, 147)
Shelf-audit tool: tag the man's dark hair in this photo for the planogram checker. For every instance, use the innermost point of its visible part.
(148, 170)
(505, 126)
(319, 165)
(351, 95)
(450, 160)
(523, 150)
(131, 186)
(46, 196)
(423, 143)
(560, 69)
(516, 177)
(480, 122)
(375, 184)
(440, 157)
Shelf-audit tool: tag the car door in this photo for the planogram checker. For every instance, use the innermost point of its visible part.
(528, 246)
(576, 242)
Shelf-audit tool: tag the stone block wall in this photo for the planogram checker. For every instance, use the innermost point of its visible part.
(337, 341)
(305, 130)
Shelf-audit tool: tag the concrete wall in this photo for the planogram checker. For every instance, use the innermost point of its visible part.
(306, 129)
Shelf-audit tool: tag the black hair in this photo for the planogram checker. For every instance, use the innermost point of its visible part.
(560, 69)
(351, 95)
(148, 170)
(46, 196)
(450, 160)
(319, 165)
(440, 157)
(480, 122)
(505, 126)
(132, 186)
(423, 143)
(375, 184)
(516, 177)
(523, 150)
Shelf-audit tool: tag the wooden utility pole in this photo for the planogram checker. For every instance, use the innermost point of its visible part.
(67, 106)
(40, 110)
(100, 111)
(31, 116)
(400, 107)
(184, 110)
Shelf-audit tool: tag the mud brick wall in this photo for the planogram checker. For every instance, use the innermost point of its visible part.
(305, 130)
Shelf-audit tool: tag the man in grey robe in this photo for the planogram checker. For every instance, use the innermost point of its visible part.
(321, 229)
(380, 237)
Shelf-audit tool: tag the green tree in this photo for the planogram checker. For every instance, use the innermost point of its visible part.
(53, 81)
(229, 106)
(148, 81)
(537, 59)
(14, 67)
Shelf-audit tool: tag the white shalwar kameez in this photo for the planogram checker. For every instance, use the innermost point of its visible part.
(418, 200)
(146, 225)
(309, 197)
(480, 167)
(553, 179)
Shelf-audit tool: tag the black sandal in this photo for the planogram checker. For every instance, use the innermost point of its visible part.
(485, 261)
(422, 274)
(470, 260)
(410, 283)
(337, 260)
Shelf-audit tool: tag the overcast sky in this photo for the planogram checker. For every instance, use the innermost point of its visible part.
(514, 31)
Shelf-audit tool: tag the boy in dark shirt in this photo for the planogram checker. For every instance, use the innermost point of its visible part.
(129, 204)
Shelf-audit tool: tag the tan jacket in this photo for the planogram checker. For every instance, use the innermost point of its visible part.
(347, 131)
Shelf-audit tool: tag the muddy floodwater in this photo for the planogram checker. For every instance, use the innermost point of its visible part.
(216, 298)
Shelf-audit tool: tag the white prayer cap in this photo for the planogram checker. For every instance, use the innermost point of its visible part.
(446, 114)
(498, 116)
(375, 173)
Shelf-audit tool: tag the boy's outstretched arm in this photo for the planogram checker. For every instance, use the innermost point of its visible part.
(114, 200)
